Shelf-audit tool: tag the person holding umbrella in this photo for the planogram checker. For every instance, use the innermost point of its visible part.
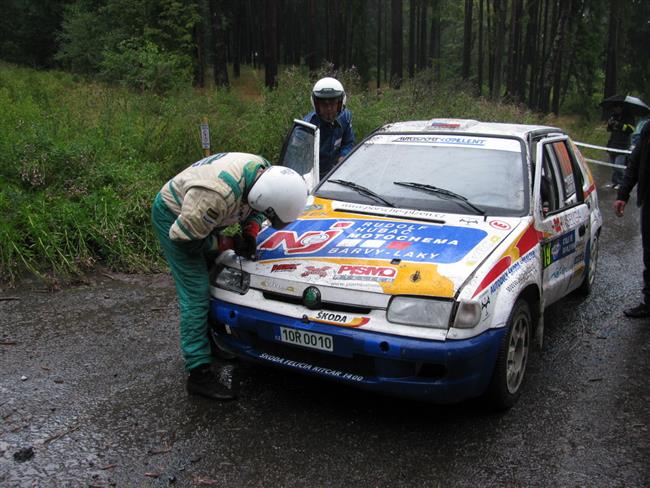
(621, 125)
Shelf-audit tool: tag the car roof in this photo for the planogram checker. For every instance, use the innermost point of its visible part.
(467, 126)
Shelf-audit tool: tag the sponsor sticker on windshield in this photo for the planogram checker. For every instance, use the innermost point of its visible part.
(461, 140)
(451, 140)
(371, 239)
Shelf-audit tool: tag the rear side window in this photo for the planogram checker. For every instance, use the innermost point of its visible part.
(567, 179)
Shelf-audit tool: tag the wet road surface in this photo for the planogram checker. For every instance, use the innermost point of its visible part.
(91, 380)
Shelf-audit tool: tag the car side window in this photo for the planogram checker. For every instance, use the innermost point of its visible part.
(549, 186)
(567, 177)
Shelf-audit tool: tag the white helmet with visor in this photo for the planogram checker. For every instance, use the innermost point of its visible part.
(327, 89)
(280, 194)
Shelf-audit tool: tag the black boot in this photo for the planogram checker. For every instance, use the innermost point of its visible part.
(638, 312)
(206, 382)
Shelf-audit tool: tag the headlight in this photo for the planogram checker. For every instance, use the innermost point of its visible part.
(425, 312)
(468, 314)
(233, 279)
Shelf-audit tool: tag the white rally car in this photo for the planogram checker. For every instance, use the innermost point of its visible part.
(422, 264)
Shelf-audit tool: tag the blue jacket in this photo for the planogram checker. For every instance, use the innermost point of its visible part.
(336, 138)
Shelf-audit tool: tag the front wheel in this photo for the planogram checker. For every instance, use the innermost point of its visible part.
(510, 368)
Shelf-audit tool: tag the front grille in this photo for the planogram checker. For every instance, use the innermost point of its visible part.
(334, 307)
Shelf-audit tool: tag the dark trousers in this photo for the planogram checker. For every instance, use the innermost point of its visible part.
(617, 174)
(645, 240)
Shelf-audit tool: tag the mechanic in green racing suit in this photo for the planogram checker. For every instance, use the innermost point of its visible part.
(211, 194)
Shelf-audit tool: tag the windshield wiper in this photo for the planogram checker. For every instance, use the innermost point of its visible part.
(363, 191)
(440, 192)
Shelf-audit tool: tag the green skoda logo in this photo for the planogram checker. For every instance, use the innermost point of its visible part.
(311, 298)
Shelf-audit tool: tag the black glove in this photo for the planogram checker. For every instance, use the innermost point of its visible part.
(245, 246)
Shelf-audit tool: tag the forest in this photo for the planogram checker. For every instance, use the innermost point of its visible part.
(550, 55)
(101, 100)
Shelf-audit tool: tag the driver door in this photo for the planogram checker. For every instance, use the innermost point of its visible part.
(301, 151)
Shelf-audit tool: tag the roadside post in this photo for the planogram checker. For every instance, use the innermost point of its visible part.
(205, 137)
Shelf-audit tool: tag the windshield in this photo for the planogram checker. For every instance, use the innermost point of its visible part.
(488, 172)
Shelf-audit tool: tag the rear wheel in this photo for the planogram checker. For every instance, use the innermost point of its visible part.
(510, 368)
(590, 273)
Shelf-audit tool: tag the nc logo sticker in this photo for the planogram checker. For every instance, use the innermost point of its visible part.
(307, 242)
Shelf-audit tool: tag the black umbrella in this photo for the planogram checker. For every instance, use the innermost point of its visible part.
(635, 105)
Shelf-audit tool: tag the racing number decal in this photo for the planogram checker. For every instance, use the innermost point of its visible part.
(547, 256)
(558, 248)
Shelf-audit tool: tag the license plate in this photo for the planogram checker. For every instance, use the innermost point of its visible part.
(322, 342)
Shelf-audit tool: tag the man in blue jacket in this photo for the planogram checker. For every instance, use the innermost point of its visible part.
(334, 121)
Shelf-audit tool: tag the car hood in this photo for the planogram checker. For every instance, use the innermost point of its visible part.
(392, 251)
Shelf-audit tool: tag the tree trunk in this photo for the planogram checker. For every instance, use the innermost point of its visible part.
(479, 81)
(570, 51)
(386, 42)
(236, 55)
(312, 35)
(490, 33)
(467, 39)
(336, 44)
(565, 11)
(435, 39)
(544, 55)
(499, 43)
(519, 85)
(423, 59)
(411, 66)
(379, 24)
(360, 45)
(200, 63)
(396, 68)
(510, 49)
(328, 34)
(514, 50)
(250, 27)
(220, 62)
(530, 50)
(547, 71)
(348, 38)
(270, 45)
(612, 51)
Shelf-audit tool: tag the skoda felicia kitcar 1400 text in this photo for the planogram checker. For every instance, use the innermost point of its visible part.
(422, 264)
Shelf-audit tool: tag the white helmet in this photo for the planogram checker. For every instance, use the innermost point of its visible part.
(280, 193)
(328, 88)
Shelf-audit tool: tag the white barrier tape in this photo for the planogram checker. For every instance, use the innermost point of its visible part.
(595, 161)
(608, 149)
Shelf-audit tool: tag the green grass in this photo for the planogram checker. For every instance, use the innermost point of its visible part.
(80, 162)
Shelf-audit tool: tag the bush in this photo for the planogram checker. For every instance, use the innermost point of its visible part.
(80, 163)
(144, 66)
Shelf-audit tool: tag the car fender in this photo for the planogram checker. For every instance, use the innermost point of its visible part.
(517, 268)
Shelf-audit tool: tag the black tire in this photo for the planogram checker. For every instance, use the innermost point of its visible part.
(510, 367)
(590, 276)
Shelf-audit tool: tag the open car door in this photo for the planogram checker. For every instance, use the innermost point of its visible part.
(561, 215)
(301, 151)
